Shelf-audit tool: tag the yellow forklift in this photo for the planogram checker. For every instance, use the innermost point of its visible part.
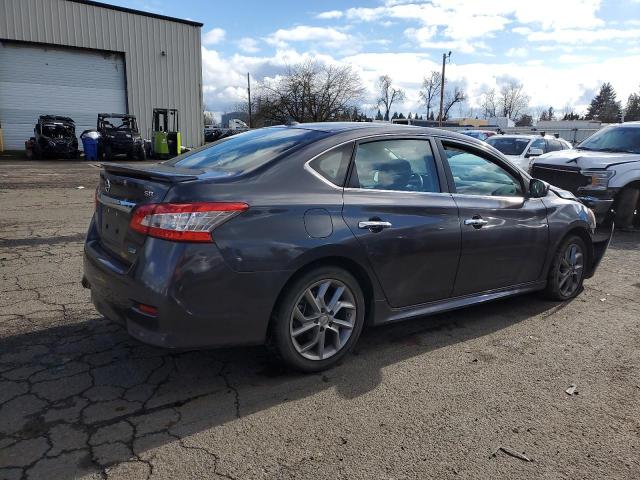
(165, 138)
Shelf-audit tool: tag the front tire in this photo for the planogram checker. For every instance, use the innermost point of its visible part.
(626, 206)
(567, 269)
(318, 319)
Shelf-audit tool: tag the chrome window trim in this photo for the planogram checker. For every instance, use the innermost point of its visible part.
(491, 197)
(321, 177)
(354, 189)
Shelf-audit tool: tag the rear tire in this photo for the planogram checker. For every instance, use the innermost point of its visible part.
(318, 319)
(567, 270)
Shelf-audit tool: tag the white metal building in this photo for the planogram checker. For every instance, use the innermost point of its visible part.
(78, 58)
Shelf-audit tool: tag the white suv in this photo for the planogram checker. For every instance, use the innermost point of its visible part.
(521, 149)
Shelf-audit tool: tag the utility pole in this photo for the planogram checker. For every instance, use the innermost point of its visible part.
(249, 94)
(445, 56)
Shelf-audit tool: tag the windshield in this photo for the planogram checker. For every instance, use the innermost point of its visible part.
(115, 123)
(57, 130)
(249, 150)
(615, 139)
(509, 146)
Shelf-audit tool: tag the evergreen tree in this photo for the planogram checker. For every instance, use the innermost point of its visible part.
(632, 111)
(432, 116)
(409, 116)
(525, 120)
(401, 115)
(395, 116)
(379, 115)
(604, 107)
(571, 116)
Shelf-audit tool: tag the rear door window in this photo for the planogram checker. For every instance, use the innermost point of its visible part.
(247, 151)
(403, 165)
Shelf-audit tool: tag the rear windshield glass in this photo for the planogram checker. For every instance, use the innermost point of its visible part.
(247, 151)
(508, 146)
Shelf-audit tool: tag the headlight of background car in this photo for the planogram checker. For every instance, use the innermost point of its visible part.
(599, 179)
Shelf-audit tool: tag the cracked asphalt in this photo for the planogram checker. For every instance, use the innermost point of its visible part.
(432, 398)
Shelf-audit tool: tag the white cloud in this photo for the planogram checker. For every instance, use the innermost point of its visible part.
(464, 20)
(517, 52)
(213, 36)
(305, 33)
(561, 64)
(248, 45)
(331, 14)
(581, 36)
(581, 59)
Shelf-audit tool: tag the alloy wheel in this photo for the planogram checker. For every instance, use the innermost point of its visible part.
(570, 270)
(323, 319)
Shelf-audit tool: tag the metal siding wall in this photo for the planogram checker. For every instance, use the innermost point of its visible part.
(173, 81)
(37, 80)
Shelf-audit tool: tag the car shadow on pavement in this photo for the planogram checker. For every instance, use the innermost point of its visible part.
(83, 397)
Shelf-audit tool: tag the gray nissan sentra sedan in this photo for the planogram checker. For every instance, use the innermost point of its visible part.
(297, 236)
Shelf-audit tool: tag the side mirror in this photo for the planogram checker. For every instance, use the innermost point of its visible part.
(534, 152)
(538, 188)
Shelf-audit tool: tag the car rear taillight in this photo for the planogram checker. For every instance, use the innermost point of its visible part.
(183, 222)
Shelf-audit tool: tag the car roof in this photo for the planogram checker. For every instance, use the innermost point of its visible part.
(377, 128)
(526, 136)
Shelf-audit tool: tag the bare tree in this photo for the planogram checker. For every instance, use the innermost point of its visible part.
(489, 104)
(512, 99)
(450, 99)
(310, 92)
(388, 94)
(430, 89)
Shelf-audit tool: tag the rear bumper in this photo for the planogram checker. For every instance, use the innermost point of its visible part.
(201, 302)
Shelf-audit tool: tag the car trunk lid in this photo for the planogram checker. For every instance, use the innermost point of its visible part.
(121, 189)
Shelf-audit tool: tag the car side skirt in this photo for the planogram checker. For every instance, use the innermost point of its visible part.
(384, 314)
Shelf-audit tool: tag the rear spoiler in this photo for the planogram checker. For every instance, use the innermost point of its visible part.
(157, 171)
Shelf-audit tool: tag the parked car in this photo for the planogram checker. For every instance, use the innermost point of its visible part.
(296, 236)
(479, 134)
(54, 137)
(521, 149)
(119, 135)
(603, 171)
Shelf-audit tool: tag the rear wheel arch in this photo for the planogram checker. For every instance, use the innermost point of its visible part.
(345, 263)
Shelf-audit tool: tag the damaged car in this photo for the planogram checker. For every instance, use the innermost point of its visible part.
(603, 172)
(119, 135)
(297, 236)
(54, 137)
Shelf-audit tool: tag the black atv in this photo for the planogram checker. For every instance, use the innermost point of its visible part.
(119, 135)
(55, 137)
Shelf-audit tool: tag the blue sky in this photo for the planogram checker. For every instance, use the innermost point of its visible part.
(561, 50)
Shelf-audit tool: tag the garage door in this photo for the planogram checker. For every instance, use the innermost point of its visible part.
(43, 80)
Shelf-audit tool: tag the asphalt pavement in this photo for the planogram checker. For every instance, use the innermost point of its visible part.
(475, 394)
